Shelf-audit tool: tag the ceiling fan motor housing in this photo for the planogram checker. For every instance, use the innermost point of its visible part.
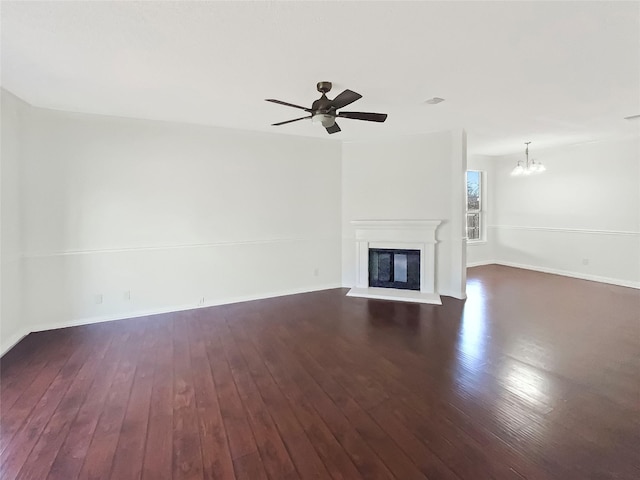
(323, 105)
(324, 87)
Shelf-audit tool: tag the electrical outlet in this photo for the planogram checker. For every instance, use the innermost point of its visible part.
(585, 261)
(316, 272)
(127, 295)
(98, 298)
(201, 301)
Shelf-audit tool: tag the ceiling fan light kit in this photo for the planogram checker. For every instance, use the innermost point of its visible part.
(324, 119)
(527, 167)
(325, 111)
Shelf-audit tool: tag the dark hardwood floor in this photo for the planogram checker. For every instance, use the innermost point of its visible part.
(535, 376)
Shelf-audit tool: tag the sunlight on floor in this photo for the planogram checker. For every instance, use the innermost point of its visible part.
(473, 331)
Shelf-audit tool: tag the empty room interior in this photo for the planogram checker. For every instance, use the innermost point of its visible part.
(320, 240)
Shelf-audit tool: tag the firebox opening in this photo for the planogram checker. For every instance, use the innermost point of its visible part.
(394, 268)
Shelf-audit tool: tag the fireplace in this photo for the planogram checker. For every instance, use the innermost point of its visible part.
(395, 260)
(394, 268)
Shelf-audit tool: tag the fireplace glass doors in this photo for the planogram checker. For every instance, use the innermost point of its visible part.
(392, 268)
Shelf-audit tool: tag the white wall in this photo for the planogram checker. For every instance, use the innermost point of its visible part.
(12, 328)
(481, 252)
(408, 178)
(171, 214)
(579, 218)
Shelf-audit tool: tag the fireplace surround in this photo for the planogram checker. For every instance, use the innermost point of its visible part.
(396, 235)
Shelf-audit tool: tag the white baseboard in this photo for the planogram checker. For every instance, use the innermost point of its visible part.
(566, 273)
(9, 343)
(176, 308)
(12, 341)
(480, 263)
(449, 293)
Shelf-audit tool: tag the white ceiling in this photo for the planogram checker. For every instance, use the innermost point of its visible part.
(550, 72)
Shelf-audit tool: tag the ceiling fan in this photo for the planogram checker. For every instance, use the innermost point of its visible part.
(324, 110)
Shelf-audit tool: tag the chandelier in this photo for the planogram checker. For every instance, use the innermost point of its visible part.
(527, 167)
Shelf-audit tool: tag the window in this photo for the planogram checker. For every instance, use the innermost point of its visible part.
(474, 205)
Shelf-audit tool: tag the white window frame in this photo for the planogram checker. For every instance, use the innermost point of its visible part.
(482, 238)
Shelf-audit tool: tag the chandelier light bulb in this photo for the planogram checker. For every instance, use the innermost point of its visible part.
(518, 170)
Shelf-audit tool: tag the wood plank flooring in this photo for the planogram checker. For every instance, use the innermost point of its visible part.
(535, 376)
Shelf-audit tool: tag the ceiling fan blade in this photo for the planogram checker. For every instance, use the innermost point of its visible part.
(287, 104)
(289, 121)
(369, 117)
(333, 128)
(345, 98)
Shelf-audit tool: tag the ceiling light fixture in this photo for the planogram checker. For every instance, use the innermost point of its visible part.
(527, 167)
(434, 101)
(325, 119)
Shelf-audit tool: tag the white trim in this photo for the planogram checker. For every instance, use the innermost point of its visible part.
(12, 342)
(59, 253)
(452, 294)
(555, 271)
(566, 273)
(567, 230)
(177, 308)
(480, 263)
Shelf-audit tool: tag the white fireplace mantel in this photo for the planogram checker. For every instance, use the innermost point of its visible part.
(397, 234)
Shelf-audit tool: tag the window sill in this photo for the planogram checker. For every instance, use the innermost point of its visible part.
(476, 242)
